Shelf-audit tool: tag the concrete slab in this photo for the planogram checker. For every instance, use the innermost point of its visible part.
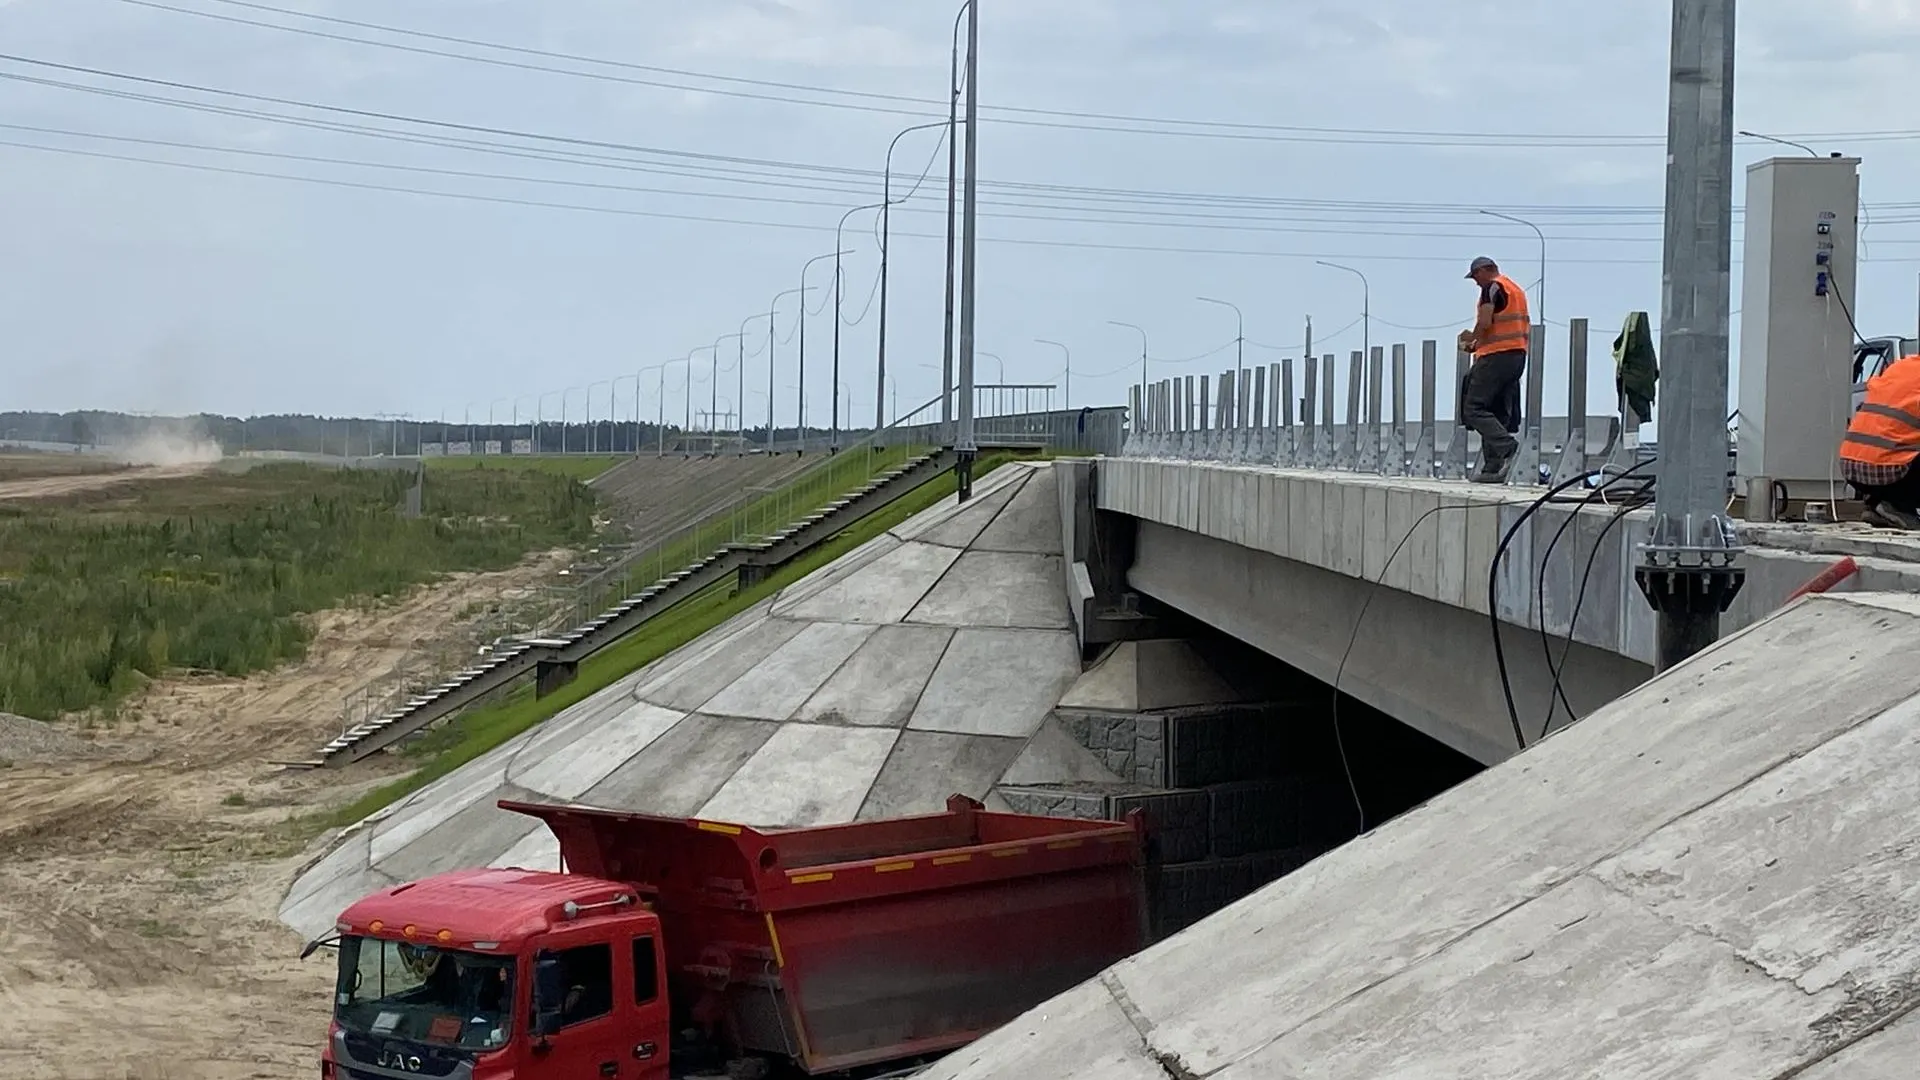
(994, 488)
(1082, 1033)
(689, 688)
(883, 591)
(416, 821)
(568, 771)
(833, 573)
(565, 729)
(963, 528)
(349, 856)
(806, 774)
(538, 850)
(1053, 757)
(683, 768)
(471, 838)
(881, 683)
(783, 682)
(927, 766)
(1580, 982)
(1886, 1055)
(1705, 878)
(1031, 521)
(995, 588)
(315, 913)
(998, 682)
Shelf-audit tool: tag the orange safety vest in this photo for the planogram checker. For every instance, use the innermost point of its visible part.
(1886, 429)
(1513, 328)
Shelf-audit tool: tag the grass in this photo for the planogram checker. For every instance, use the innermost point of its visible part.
(479, 731)
(582, 467)
(103, 590)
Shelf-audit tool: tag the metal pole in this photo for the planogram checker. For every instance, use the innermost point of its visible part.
(838, 298)
(772, 310)
(886, 238)
(1690, 571)
(1540, 292)
(953, 177)
(1239, 335)
(963, 443)
(1143, 358)
(1067, 356)
(800, 427)
(713, 403)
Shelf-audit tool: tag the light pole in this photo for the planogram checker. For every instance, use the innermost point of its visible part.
(772, 310)
(540, 415)
(1811, 152)
(953, 177)
(1366, 306)
(838, 291)
(466, 415)
(613, 398)
(800, 428)
(516, 419)
(964, 448)
(1143, 365)
(563, 415)
(593, 426)
(886, 233)
(1239, 340)
(687, 428)
(713, 405)
(490, 406)
(1000, 378)
(740, 392)
(1540, 294)
(1066, 356)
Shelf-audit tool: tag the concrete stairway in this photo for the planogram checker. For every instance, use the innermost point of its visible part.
(553, 661)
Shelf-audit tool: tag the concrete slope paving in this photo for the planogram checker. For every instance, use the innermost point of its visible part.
(1715, 876)
(924, 663)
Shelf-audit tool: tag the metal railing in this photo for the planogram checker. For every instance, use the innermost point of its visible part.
(1252, 417)
(757, 513)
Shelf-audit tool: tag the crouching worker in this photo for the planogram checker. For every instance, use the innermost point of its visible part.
(1883, 439)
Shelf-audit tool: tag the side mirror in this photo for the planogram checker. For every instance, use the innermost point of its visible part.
(549, 994)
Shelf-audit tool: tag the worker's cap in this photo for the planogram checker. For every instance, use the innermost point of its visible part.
(1481, 263)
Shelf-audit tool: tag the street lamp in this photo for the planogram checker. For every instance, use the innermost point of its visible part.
(613, 398)
(1066, 357)
(686, 428)
(1366, 305)
(490, 406)
(713, 405)
(886, 233)
(1143, 364)
(1540, 295)
(516, 419)
(540, 414)
(773, 309)
(953, 176)
(592, 425)
(563, 415)
(800, 429)
(838, 290)
(1239, 339)
(466, 414)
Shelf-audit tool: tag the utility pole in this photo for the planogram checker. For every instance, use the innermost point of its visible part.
(1690, 569)
(963, 444)
(953, 181)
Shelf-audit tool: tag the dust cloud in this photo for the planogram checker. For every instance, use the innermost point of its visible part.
(166, 448)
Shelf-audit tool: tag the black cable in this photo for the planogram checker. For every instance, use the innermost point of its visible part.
(1372, 591)
(1540, 587)
(1636, 502)
(1493, 601)
(1833, 285)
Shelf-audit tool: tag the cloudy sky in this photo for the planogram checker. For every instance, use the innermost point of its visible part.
(676, 164)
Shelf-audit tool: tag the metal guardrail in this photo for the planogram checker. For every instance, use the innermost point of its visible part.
(1251, 417)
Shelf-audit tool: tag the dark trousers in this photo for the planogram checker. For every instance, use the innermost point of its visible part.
(1490, 402)
(1903, 493)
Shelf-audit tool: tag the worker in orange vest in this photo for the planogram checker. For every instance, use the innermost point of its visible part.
(1881, 443)
(1489, 398)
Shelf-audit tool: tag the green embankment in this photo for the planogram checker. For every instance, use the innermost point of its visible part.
(478, 731)
(102, 590)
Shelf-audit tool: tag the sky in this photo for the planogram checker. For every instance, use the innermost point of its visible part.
(677, 164)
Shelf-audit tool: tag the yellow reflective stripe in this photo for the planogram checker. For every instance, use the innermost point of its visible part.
(715, 826)
(1008, 852)
(893, 867)
(1062, 845)
(949, 860)
(779, 957)
(808, 879)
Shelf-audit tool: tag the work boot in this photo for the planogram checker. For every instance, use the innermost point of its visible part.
(1888, 516)
(1494, 470)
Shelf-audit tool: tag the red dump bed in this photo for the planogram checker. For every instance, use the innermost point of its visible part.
(846, 945)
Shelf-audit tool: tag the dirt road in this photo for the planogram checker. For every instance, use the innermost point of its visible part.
(44, 487)
(139, 880)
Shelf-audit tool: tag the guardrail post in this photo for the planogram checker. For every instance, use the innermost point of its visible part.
(1136, 431)
(1307, 447)
(1526, 463)
(1573, 457)
(1283, 386)
(1424, 460)
(1459, 445)
(1376, 442)
(1397, 439)
(1356, 386)
(1324, 457)
(1259, 432)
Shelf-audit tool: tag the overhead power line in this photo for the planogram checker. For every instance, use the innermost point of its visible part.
(897, 104)
(772, 173)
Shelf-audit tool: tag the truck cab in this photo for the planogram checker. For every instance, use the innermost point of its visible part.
(1871, 357)
(493, 974)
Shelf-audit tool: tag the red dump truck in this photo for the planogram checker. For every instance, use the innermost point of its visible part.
(677, 948)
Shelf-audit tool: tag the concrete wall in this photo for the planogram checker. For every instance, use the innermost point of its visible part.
(1090, 431)
(1287, 559)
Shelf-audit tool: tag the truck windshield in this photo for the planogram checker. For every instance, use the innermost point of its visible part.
(445, 997)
